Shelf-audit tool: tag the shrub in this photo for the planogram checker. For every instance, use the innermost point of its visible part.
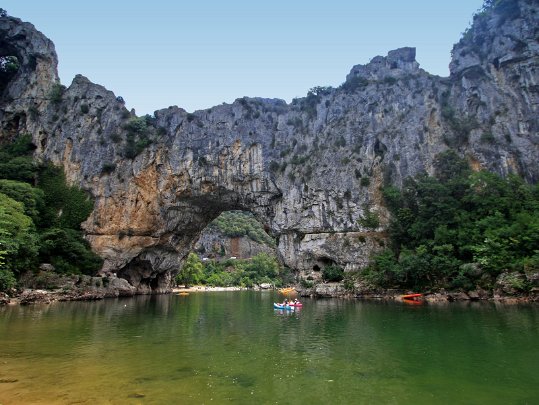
(369, 220)
(332, 273)
(136, 125)
(108, 168)
(354, 84)
(340, 142)
(7, 279)
(274, 166)
(115, 137)
(306, 283)
(487, 137)
(57, 92)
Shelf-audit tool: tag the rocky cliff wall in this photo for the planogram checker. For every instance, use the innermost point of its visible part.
(309, 170)
(212, 244)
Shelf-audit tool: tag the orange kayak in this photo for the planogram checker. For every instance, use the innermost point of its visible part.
(413, 297)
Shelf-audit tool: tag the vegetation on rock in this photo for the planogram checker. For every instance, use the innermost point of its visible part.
(458, 229)
(40, 217)
(240, 223)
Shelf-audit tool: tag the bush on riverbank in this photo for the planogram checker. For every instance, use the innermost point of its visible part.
(458, 229)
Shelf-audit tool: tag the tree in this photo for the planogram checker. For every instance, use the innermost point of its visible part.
(68, 252)
(191, 272)
(31, 197)
(263, 265)
(443, 226)
(17, 236)
(66, 206)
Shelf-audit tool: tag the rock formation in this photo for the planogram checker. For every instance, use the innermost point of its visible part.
(212, 244)
(309, 170)
(234, 234)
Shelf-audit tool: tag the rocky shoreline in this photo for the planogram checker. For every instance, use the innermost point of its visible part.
(46, 287)
(503, 292)
(86, 288)
(337, 291)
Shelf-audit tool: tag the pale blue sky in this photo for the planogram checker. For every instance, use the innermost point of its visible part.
(200, 54)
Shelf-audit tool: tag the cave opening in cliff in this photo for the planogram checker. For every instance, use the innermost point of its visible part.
(140, 273)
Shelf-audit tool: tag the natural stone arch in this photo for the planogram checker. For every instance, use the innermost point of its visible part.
(152, 221)
(307, 169)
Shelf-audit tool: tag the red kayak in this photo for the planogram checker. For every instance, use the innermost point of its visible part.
(411, 296)
(297, 304)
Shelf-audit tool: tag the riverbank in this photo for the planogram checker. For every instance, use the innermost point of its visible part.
(46, 290)
(336, 290)
(41, 296)
(506, 294)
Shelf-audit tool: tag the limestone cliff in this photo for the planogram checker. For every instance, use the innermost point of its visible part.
(308, 170)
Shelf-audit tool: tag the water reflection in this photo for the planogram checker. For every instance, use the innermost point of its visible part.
(236, 347)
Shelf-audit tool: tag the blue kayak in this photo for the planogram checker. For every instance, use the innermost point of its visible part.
(281, 306)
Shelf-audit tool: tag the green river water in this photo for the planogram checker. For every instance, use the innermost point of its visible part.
(233, 347)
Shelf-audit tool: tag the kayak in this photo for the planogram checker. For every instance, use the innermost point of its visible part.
(297, 305)
(281, 306)
(411, 296)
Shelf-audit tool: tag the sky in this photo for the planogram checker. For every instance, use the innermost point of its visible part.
(200, 54)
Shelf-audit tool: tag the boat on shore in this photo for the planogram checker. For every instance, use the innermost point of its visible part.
(412, 298)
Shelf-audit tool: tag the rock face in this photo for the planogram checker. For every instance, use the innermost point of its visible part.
(308, 170)
(213, 244)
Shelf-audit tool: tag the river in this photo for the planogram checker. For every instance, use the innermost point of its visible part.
(233, 347)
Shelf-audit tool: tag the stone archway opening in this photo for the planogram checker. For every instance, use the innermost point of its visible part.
(214, 230)
(235, 250)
